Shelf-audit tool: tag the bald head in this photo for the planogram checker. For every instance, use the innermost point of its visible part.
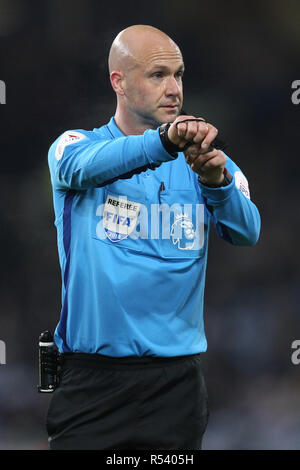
(146, 69)
(137, 45)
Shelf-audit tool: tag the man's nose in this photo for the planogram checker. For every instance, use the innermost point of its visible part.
(172, 87)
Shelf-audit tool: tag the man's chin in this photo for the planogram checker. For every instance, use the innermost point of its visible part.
(168, 115)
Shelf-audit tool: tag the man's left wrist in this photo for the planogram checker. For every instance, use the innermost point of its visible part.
(227, 178)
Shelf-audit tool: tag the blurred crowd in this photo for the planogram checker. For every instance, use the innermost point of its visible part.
(241, 59)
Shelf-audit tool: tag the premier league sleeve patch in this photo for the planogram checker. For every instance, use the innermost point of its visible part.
(67, 138)
(119, 217)
(242, 183)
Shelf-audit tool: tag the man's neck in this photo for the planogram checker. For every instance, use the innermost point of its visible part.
(130, 126)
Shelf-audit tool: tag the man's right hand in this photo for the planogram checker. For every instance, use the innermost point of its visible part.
(203, 159)
(180, 133)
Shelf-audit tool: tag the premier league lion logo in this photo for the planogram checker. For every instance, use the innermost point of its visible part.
(183, 233)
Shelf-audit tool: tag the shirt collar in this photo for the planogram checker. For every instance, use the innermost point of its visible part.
(113, 128)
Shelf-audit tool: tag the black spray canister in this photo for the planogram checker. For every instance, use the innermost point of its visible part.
(47, 363)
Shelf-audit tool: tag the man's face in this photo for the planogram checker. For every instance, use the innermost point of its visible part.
(153, 88)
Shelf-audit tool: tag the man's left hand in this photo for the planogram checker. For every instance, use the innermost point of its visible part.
(206, 161)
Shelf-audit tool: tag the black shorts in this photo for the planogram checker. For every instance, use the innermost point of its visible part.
(128, 403)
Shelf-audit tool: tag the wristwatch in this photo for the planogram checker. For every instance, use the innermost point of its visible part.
(171, 148)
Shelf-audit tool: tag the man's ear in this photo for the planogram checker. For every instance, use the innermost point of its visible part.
(117, 81)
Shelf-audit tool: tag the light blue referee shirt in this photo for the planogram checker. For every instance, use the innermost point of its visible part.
(133, 243)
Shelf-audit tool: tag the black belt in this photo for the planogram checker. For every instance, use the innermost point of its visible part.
(98, 361)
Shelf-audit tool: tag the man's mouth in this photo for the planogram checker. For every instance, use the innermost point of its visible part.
(170, 106)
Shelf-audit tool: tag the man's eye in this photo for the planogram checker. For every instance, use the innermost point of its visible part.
(157, 75)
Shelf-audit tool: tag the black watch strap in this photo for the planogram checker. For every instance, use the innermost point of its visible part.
(171, 148)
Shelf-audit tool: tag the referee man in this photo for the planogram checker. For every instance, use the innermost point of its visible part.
(134, 201)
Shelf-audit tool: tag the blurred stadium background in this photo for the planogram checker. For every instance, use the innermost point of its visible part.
(241, 59)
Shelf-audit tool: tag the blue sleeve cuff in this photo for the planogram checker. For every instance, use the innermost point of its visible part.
(217, 195)
(155, 151)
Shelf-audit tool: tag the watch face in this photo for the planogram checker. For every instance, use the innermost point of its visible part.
(164, 127)
(164, 131)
